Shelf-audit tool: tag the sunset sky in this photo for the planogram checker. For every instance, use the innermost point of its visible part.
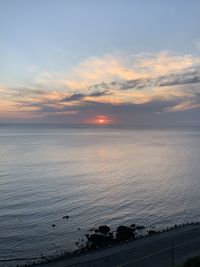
(86, 61)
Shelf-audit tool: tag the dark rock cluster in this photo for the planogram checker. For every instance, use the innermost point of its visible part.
(98, 238)
(103, 235)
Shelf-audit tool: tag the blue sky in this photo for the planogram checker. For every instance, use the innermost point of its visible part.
(52, 40)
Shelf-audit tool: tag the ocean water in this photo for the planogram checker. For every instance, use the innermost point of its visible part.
(96, 175)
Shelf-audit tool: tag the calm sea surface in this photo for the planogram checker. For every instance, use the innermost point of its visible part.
(149, 176)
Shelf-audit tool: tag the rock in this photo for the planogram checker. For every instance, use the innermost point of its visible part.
(104, 229)
(111, 234)
(139, 227)
(124, 233)
(100, 240)
(132, 225)
(66, 217)
(152, 232)
(83, 249)
(92, 247)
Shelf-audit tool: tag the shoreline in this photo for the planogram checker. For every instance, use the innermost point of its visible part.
(81, 256)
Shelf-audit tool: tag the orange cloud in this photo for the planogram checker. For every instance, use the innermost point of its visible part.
(48, 89)
(165, 63)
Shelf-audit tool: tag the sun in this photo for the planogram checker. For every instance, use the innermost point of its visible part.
(101, 120)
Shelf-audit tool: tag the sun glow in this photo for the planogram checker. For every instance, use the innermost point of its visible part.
(101, 120)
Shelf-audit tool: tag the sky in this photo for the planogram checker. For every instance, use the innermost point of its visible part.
(91, 61)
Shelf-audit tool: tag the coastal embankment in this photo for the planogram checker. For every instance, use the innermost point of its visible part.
(167, 248)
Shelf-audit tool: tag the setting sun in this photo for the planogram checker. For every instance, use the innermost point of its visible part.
(101, 120)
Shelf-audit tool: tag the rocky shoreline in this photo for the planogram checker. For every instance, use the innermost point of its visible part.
(102, 237)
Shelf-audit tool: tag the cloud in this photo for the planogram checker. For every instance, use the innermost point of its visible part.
(80, 96)
(187, 77)
(115, 68)
(144, 83)
(73, 97)
(164, 63)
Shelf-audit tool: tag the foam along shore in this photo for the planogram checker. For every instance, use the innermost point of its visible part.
(131, 249)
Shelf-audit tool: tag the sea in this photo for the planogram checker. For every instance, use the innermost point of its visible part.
(96, 175)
